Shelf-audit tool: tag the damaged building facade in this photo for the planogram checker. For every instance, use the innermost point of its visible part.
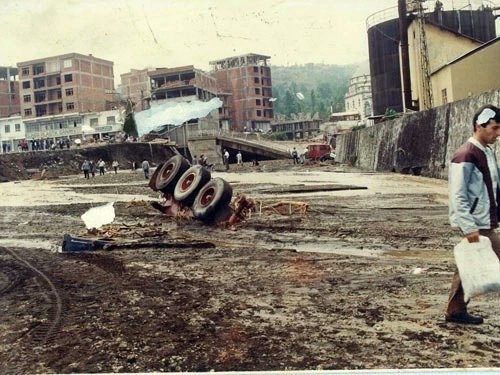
(185, 84)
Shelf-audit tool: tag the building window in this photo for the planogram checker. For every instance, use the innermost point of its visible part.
(69, 92)
(68, 78)
(18, 127)
(67, 63)
(58, 94)
(25, 71)
(256, 69)
(259, 112)
(38, 69)
(70, 105)
(256, 80)
(7, 128)
(444, 96)
(257, 91)
(94, 121)
(26, 84)
(110, 120)
(27, 98)
(27, 112)
(257, 101)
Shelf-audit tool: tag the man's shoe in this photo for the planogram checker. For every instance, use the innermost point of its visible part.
(463, 318)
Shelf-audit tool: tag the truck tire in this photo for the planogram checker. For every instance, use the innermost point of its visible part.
(190, 183)
(152, 180)
(170, 173)
(215, 195)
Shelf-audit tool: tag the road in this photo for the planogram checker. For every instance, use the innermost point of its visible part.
(358, 282)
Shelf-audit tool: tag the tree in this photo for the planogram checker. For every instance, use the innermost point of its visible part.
(289, 105)
(322, 109)
(313, 101)
(130, 126)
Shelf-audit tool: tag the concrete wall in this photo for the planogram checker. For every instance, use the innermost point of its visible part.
(420, 143)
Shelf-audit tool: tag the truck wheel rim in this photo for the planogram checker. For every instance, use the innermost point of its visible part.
(207, 196)
(187, 182)
(168, 170)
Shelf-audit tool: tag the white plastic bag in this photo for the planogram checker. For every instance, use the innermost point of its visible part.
(96, 217)
(478, 266)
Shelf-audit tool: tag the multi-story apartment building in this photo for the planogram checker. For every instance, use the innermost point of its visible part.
(65, 84)
(136, 86)
(359, 94)
(248, 79)
(9, 91)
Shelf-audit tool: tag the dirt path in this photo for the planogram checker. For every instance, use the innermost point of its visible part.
(358, 283)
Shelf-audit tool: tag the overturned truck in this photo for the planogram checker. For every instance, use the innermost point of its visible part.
(190, 191)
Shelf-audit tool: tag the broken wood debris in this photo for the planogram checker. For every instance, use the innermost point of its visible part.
(287, 207)
(309, 188)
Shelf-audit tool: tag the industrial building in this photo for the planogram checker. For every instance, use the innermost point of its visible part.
(70, 83)
(448, 84)
(389, 37)
(247, 78)
(9, 91)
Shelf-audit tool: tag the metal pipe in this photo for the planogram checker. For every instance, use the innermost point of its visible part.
(405, 59)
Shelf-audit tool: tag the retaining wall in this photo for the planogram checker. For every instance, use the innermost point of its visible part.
(418, 143)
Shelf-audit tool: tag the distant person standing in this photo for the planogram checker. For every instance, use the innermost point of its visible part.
(145, 169)
(134, 166)
(86, 168)
(115, 166)
(92, 168)
(239, 158)
(295, 156)
(101, 165)
(225, 159)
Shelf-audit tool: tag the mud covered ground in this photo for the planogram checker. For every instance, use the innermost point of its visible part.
(359, 282)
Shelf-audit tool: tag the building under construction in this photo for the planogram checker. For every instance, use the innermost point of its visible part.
(247, 79)
(9, 91)
(388, 45)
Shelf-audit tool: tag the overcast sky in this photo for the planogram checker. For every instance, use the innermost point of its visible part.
(170, 33)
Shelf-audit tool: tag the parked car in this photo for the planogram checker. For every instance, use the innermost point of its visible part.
(319, 151)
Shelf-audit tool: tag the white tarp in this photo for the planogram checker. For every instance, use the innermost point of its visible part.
(173, 113)
(96, 217)
(478, 266)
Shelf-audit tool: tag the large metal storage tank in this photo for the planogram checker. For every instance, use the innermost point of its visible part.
(475, 20)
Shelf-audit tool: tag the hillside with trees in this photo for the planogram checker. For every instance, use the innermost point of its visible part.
(321, 85)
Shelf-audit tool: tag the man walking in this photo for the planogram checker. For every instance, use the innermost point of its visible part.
(474, 198)
(101, 165)
(85, 169)
(145, 169)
